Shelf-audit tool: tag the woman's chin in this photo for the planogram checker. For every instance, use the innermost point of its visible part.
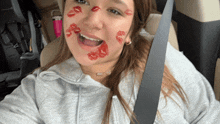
(85, 61)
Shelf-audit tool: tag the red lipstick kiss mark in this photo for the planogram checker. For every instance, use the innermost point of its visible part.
(101, 52)
(68, 32)
(71, 13)
(128, 12)
(77, 9)
(74, 11)
(74, 28)
(93, 56)
(120, 33)
(77, 30)
(95, 8)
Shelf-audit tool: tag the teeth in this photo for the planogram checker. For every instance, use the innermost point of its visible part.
(89, 38)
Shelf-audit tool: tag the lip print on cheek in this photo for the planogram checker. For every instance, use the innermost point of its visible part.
(73, 27)
(74, 11)
(95, 8)
(68, 32)
(128, 12)
(71, 13)
(101, 52)
(77, 9)
(118, 36)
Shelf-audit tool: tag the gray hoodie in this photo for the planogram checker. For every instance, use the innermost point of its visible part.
(64, 95)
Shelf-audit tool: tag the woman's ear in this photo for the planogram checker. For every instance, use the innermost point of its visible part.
(128, 40)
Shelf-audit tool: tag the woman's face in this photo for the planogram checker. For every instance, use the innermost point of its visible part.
(96, 30)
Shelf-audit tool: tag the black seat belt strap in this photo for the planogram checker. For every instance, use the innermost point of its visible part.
(149, 91)
(8, 38)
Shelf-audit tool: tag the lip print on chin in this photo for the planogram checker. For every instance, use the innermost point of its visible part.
(74, 11)
(93, 55)
(101, 52)
(95, 8)
(73, 27)
(118, 36)
(128, 12)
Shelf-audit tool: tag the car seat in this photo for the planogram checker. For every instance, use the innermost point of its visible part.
(198, 37)
(20, 42)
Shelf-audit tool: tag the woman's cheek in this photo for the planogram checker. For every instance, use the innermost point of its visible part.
(74, 11)
(128, 12)
(119, 36)
(72, 28)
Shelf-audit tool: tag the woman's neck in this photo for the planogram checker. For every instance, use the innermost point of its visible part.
(99, 71)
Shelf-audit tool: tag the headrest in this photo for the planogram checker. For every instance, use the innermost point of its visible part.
(61, 5)
(16, 10)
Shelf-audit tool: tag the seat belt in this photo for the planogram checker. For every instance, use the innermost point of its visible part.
(150, 88)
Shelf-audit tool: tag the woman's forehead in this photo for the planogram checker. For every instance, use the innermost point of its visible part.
(121, 2)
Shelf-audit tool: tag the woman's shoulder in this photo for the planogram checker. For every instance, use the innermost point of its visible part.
(180, 66)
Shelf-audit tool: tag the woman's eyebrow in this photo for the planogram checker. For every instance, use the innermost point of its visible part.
(120, 2)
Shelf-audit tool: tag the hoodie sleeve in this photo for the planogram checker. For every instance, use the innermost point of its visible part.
(20, 106)
(203, 108)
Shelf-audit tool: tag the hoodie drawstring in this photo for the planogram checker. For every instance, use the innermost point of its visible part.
(78, 107)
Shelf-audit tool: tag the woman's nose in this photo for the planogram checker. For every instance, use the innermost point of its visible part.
(94, 19)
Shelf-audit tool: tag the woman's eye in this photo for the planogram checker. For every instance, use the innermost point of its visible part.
(82, 2)
(114, 12)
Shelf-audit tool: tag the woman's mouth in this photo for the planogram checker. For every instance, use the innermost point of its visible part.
(89, 41)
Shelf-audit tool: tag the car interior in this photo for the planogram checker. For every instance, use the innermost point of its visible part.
(194, 31)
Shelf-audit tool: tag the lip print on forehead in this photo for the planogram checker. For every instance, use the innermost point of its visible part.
(128, 12)
(73, 27)
(101, 52)
(95, 8)
(118, 36)
(74, 11)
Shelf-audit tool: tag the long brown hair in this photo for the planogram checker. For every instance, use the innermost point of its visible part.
(128, 60)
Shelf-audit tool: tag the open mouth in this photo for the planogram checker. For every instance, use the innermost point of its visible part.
(89, 41)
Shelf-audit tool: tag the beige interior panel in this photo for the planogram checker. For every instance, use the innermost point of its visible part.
(61, 5)
(217, 80)
(200, 10)
(152, 25)
(49, 52)
(42, 4)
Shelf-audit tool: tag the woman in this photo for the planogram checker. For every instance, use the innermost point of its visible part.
(95, 76)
